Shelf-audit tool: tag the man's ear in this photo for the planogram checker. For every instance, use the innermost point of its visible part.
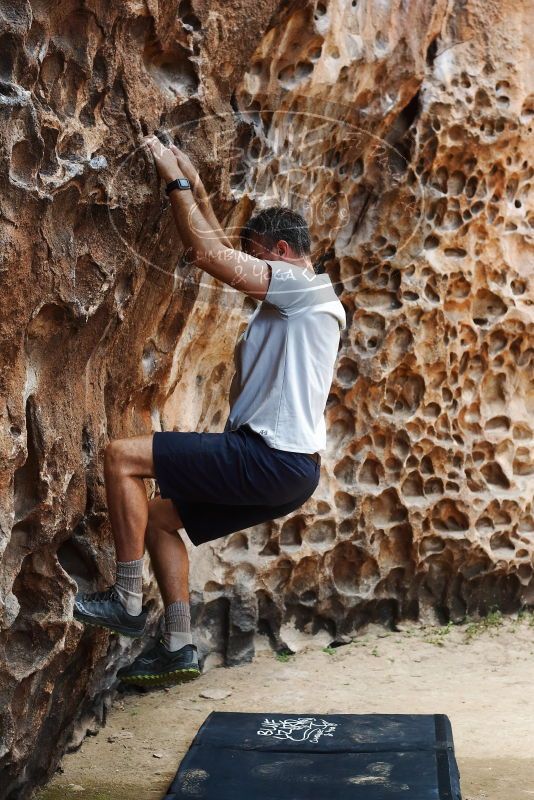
(282, 247)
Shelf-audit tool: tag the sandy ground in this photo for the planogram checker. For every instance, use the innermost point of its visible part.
(479, 675)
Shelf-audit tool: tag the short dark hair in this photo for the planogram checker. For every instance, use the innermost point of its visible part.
(275, 223)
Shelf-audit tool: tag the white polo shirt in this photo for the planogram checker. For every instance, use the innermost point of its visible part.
(284, 360)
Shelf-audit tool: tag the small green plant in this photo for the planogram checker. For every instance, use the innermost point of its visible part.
(525, 615)
(284, 657)
(488, 623)
(330, 650)
(374, 652)
(436, 635)
(434, 640)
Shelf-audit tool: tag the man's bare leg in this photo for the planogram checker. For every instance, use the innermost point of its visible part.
(134, 521)
(126, 463)
(173, 659)
(170, 563)
(168, 553)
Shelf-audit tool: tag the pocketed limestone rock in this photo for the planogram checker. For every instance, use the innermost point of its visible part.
(404, 136)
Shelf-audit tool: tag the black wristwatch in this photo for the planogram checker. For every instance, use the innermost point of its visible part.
(177, 183)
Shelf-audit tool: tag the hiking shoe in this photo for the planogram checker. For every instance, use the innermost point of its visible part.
(105, 610)
(159, 666)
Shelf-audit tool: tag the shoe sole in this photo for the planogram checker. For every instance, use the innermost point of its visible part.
(175, 677)
(123, 631)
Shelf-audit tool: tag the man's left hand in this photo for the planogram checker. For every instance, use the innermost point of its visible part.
(164, 158)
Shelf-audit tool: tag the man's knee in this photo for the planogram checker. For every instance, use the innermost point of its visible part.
(114, 454)
(130, 456)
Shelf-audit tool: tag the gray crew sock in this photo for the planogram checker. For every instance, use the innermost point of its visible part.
(177, 625)
(129, 585)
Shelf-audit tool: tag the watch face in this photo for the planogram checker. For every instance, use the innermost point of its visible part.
(183, 182)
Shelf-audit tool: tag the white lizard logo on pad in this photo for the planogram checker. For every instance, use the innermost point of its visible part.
(299, 729)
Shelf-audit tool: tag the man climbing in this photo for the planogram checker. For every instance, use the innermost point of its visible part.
(266, 462)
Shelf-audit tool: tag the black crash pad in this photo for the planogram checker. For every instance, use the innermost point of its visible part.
(281, 756)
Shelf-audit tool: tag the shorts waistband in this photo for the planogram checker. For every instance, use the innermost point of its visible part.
(314, 456)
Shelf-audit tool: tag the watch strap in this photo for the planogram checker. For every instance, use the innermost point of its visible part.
(177, 183)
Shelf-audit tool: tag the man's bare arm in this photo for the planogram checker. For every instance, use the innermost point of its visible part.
(189, 171)
(235, 268)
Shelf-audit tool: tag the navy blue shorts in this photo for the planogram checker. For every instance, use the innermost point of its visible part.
(226, 482)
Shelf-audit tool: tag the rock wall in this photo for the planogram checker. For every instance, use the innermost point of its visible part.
(404, 132)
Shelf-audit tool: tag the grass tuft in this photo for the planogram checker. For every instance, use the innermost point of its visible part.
(488, 623)
(284, 657)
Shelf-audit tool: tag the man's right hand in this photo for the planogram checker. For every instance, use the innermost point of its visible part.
(168, 169)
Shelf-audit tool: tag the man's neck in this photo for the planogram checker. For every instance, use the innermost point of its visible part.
(303, 262)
